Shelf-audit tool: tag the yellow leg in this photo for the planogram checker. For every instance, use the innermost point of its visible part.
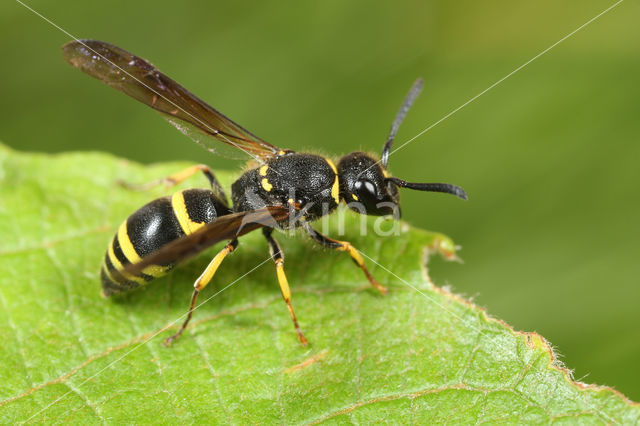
(286, 294)
(357, 258)
(174, 179)
(345, 246)
(201, 283)
(278, 258)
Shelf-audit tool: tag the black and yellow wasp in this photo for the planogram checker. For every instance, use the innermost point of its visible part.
(282, 189)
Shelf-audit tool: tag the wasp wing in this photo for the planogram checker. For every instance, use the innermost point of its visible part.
(224, 228)
(142, 81)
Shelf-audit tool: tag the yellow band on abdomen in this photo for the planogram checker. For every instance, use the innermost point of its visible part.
(180, 210)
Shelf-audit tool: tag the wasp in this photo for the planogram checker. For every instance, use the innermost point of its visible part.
(280, 189)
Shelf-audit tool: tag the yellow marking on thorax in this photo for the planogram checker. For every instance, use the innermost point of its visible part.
(265, 182)
(266, 185)
(116, 263)
(385, 173)
(332, 165)
(335, 188)
(354, 196)
(180, 210)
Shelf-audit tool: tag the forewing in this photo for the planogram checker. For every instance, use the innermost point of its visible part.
(139, 79)
(223, 228)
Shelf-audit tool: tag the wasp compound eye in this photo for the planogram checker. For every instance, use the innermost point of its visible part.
(372, 199)
(365, 189)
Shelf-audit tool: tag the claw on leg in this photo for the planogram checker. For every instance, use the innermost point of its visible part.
(201, 283)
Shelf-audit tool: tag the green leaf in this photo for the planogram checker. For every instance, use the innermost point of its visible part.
(419, 354)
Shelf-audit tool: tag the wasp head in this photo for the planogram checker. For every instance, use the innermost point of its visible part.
(367, 186)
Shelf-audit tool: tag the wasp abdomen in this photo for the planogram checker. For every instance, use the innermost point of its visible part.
(152, 227)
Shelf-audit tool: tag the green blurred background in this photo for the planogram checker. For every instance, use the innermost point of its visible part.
(549, 156)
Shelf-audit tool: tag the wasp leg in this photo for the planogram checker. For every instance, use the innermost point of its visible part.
(278, 258)
(345, 246)
(175, 179)
(201, 283)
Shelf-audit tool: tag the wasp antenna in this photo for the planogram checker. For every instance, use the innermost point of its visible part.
(431, 187)
(402, 113)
